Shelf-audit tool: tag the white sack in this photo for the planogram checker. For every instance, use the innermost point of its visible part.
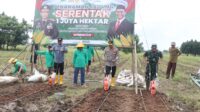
(125, 77)
(37, 77)
(8, 79)
(140, 81)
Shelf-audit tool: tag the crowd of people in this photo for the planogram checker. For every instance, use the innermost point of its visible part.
(83, 56)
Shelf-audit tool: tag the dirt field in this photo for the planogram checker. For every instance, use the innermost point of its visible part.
(40, 97)
(26, 97)
(35, 98)
(121, 101)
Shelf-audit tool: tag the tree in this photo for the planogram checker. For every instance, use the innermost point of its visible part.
(13, 33)
(191, 47)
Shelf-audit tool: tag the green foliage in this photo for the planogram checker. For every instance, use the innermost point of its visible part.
(12, 32)
(191, 47)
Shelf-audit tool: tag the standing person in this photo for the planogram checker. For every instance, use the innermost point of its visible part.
(35, 56)
(80, 61)
(19, 68)
(174, 53)
(111, 56)
(121, 25)
(90, 52)
(49, 57)
(153, 57)
(45, 24)
(59, 51)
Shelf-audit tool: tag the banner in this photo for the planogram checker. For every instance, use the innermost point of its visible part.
(92, 22)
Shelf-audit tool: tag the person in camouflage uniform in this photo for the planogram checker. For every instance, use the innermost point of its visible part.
(152, 57)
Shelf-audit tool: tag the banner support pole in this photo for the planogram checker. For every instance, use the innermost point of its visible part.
(134, 66)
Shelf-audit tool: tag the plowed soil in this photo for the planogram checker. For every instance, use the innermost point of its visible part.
(29, 97)
(122, 101)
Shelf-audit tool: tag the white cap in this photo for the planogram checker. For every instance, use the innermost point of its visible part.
(173, 43)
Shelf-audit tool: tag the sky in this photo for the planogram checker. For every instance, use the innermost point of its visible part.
(157, 21)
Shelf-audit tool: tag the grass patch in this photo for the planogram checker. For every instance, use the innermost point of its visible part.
(177, 77)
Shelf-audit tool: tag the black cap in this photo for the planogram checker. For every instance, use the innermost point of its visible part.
(49, 46)
(45, 7)
(154, 46)
(120, 7)
(60, 39)
(110, 42)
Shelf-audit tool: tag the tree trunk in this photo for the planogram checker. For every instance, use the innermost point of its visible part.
(7, 47)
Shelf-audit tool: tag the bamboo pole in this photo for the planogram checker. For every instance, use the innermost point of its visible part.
(135, 67)
(32, 57)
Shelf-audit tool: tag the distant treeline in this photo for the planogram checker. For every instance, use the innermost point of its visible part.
(13, 32)
(191, 47)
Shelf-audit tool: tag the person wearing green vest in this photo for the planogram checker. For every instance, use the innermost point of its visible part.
(153, 57)
(49, 56)
(19, 68)
(90, 53)
(80, 61)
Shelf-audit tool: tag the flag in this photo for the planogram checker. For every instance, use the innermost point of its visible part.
(39, 4)
(131, 5)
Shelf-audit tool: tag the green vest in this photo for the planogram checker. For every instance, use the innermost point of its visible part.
(17, 66)
(80, 58)
(49, 56)
(90, 52)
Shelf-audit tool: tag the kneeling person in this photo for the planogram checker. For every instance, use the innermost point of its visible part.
(19, 68)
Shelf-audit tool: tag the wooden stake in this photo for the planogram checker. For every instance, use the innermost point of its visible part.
(135, 66)
(32, 57)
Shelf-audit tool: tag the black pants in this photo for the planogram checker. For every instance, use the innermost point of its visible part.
(89, 62)
(59, 68)
(109, 68)
(34, 59)
(151, 70)
(50, 70)
(171, 68)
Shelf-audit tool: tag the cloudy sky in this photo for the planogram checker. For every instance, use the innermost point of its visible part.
(158, 21)
(163, 21)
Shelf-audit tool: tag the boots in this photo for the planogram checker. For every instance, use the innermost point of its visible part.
(113, 82)
(61, 79)
(56, 80)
